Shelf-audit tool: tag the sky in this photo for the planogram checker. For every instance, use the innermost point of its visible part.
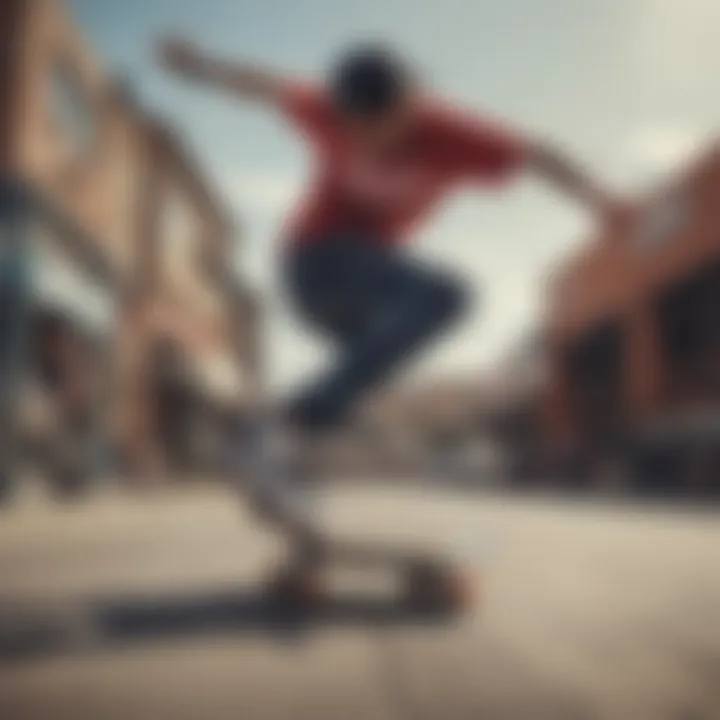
(628, 86)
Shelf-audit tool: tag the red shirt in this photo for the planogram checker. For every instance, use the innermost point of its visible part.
(383, 199)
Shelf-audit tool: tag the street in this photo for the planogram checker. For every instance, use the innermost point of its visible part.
(151, 607)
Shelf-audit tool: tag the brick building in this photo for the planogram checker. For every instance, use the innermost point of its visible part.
(189, 343)
(633, 328)
(110, 231)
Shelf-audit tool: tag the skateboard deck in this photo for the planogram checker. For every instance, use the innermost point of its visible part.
(308, 541)
(366, 553)
(429, 582)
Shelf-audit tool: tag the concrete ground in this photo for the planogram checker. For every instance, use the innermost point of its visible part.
(151, 608)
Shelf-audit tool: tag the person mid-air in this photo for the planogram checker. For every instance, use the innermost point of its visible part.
(386, 152)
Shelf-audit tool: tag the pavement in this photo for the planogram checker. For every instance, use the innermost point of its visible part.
(152, 607)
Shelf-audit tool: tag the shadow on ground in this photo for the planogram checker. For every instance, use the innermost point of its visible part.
(32, 630)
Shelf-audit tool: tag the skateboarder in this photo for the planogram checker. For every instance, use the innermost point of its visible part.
(386, 153)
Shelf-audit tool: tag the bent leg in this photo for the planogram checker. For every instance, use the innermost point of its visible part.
(407, 305)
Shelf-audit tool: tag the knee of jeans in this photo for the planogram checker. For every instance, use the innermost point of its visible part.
(450, 298)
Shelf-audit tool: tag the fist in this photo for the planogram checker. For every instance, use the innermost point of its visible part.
(179, 55)
(619, 216)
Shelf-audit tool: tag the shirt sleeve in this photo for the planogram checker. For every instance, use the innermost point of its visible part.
(307, 108)
(481, 149)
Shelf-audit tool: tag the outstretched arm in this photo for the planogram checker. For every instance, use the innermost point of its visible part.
(192, 63)
(554, 166)
(486, 149)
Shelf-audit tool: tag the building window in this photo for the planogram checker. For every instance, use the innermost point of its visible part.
(179, 239)
(71, 109)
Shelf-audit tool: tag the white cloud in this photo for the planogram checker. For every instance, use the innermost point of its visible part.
(675, 43)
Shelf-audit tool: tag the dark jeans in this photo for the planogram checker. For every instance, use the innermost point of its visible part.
(379, 306)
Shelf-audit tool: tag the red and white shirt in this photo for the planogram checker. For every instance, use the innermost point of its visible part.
(384, 198)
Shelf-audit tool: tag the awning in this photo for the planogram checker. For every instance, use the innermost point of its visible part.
(58, 283)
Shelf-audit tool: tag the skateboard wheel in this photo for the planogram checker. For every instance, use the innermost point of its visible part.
(440, 588)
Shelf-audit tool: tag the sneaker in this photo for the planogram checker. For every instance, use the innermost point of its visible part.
(267, 474)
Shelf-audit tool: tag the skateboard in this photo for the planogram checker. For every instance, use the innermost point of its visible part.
(428, 582)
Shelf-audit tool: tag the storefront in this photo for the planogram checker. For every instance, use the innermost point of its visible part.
(57, 326)
(194, 398)
(635, 344)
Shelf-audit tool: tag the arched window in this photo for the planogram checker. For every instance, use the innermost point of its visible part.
(71, 109)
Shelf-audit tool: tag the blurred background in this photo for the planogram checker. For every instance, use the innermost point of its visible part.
(141, 313)
(140, 321)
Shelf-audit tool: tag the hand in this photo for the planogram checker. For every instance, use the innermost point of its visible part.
(180, 56)
(617, 216)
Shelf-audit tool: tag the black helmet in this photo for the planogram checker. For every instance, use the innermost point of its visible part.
(368, 81)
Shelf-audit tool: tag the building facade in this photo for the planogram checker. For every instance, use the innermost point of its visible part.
(110, 232)
(189, 325)
(633, 322)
